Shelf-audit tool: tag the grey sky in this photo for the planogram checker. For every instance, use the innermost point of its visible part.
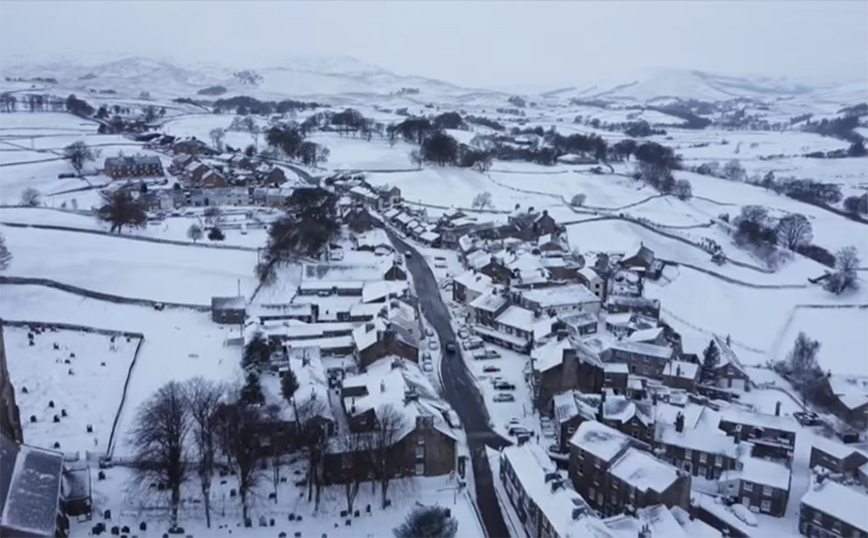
(491, 43)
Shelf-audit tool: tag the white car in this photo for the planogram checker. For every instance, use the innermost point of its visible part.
(429, 331)
(463, 334)
(433, 345)
(427, 367)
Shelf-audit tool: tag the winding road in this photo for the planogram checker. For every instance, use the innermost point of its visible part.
(460, 391)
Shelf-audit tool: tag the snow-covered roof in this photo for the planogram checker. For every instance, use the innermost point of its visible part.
(759, 420)
(709, 440)
(571, 403)
(474, 281)
(840, 502)
(373, 238)
(30, 488)
(228, 303)
(627, 300)
(682, 369)
(624, 318)
(305, 362)
(404, 218)
(835, 449)
(550, 355)
(589, 273)
(649, 350)
(623, 409)
(517, 318)
(392, 213)
(694, 528)
(645, 335)
(762, 472)
(478, 258)
(851, 390)
(344, 272)
(599, 440)
(378, 289)
(429, 236)
(659, 520)
(556, 296)
(489, 302)
(365, 335)
(535, 471)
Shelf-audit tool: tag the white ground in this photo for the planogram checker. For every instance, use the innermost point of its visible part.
(129, 507)
(90, 397)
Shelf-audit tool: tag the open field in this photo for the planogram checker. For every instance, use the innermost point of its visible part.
(137, 269)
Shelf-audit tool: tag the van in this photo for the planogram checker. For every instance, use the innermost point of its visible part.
(473, 343)
(243, 228)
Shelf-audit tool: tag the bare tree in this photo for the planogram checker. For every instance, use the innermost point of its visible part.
(195, 232)
(482, 200)
(5, 255)
(416, 158)
(217, 134)
(390, 425)
(122, 210)
(203, 402)
(213, 215)
(844, 278)
(31, 197)
(241, 436)
(794, 230)
(313, 438)
(159, 438)
(734, 171)
(355, 449)
(79, 153)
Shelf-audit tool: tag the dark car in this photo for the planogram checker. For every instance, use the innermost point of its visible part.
(451, 348)
(489, 369)
(503, 385)
(806, 418)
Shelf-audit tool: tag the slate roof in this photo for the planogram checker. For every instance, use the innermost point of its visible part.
(29, 488)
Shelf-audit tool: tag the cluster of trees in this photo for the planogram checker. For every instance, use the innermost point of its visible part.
(857, 204)
(79, 154)
(801, 368)
(756, 231)
(303, 232)
(32, 103)
(247, 76)
(485, 122)
(289, 139)
(842, 127)
(844, 277)
(655, 165)
(641, 129)
(243, 105)
(212, 90)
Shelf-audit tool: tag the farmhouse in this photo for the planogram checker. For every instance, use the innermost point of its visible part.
(137, 166)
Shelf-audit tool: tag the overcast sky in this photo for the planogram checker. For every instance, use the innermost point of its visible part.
(485, 44)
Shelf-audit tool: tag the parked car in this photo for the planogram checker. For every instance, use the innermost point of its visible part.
(504, 397)
(807, 418)
(504, 385)
(490, 369)
(463, 334)
(473, 343)
(427, 367)
(515, 429)
(483, 354)
(429, 331)
(451, 348)
(848, 436)
(426, 357)
(65, 175)
(433, 345)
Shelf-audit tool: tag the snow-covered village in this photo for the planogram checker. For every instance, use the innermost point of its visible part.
(305, 296)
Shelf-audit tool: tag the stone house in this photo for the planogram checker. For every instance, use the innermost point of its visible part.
(559, 366)
(136, 166)
(829, 509)
(845, 396)
(648, 360)
(836, 457)
(377, 339)
(760, 485)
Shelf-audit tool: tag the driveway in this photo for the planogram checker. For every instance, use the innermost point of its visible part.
(459, 390)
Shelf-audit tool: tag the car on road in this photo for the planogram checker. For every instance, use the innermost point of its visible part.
(433, 345)
(504, 397)
(504, 385)
(429, 331)
(807, 418)
(408, 254)
(451, 348)
(490, 369)
(427, 367)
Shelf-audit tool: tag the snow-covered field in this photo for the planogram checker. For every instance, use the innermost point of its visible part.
(78, 373)
(137, 269)
(129, 507)
(179, 344)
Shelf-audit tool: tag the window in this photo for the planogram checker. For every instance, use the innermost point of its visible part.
(688, 454)
(420, 441)
(591, 493)
(818, 518)
(703, 457)
(767, 491)
(836, 527)
(766, 506)
(747, 486)
(718, 460)
(635, 433)
(420, 452)
(420, 469)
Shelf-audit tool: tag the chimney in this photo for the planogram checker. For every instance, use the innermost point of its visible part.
(312, 394)
(556, 484)
(679, 422)
(778, 409)
(562, 333)
(577, 513)
(678, 371)
(600, 414)
(382, 385)
(645, 532)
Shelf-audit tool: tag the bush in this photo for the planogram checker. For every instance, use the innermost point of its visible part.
(216, 234)
(818, 254)
(578, 200)
(856, 204)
